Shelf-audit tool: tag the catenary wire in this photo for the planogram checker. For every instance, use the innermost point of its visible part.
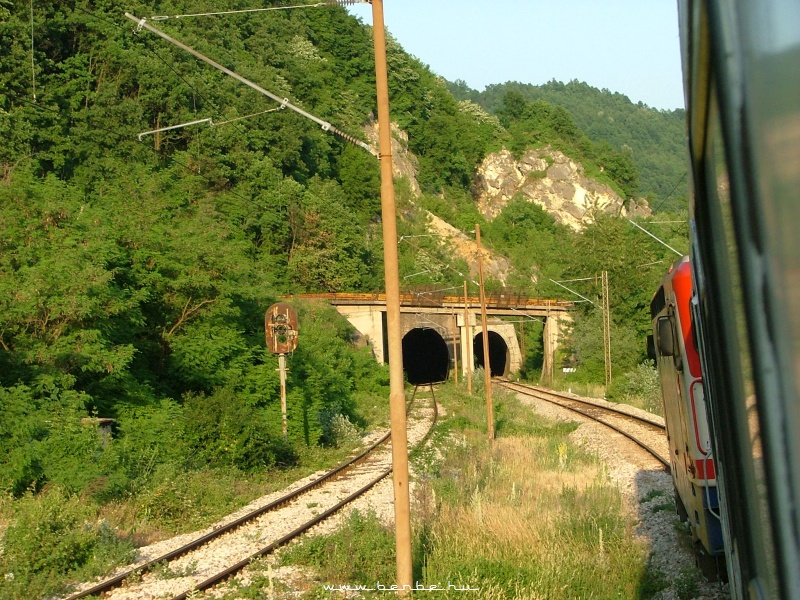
(342, 134)
(122, 136)
(660, 204)
(146, 45)
(326, 126)
(125, 137)
(255, 10)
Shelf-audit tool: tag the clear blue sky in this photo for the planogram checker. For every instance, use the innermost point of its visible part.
(625, 46)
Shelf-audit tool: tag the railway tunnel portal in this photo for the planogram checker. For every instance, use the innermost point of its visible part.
(499, 354)
(437, 332)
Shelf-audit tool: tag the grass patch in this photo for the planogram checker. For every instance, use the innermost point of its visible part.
(587, 390)
(360, 553)
(163, 570)
(51, 538)
(262, 585)
(653, 582)
(666, 506)
(653, 494)
(528, 516)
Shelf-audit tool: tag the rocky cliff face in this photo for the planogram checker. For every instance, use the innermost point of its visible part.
(404, 164)
(545, 176)
(465, 247)
(550, 179)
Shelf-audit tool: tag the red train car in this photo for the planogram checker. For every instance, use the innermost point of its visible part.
(691, 455)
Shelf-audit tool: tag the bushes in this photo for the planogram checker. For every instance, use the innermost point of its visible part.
(150, 436)
(46, 441)
(76, 457)
(236, 424)
(359, 553)
(21, 429)
(640, 387)
(52, 535)
(221, 430)
(337, 430)
(178, 500)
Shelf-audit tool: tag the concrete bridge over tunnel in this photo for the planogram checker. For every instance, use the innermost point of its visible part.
(437, 331)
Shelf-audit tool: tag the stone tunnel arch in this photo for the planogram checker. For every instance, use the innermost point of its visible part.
(498, 353)
(426, 358)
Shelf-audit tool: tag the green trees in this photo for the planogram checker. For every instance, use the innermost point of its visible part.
(650, 140)
(328, 251)
(57, 278)
(635, 264)
(535, 244)
(135, 272)
(543, 252)
(539, 123)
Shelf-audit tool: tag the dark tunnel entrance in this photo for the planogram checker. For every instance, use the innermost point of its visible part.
(425, 356)
(498, 353)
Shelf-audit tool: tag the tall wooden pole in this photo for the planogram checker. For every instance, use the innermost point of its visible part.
(455, 347)
(397, 398)
(606, 328)
(487, 367)
(468, 341)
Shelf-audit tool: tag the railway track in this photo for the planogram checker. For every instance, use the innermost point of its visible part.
(647, 432)
(214, 557)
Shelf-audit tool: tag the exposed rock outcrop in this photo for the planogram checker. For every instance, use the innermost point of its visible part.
(550, 179)
(465, 247)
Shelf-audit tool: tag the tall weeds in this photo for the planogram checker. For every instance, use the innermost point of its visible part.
(527, 516)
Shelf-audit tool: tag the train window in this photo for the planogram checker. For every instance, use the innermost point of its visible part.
(743, 92)
(658, 303)
(772, 118)
(651, 347)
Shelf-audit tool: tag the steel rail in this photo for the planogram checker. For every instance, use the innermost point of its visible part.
(540, 390)
(117, 580)
(540, 394)
(269, 549)
(233, 569)
(148, 566)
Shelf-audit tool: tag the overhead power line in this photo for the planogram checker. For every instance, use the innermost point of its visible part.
(208, 120)
(255, 10)
(584, 298)
(195, 91)
(660, 241)
(142, 23)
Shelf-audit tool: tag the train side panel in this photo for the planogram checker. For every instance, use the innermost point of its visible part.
(691, 457)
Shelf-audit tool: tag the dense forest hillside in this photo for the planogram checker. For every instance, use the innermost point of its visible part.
(655, 139)
(135, 263)
(152, 208)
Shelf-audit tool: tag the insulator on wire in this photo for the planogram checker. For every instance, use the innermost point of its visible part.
(348, 2)
(354, 140)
